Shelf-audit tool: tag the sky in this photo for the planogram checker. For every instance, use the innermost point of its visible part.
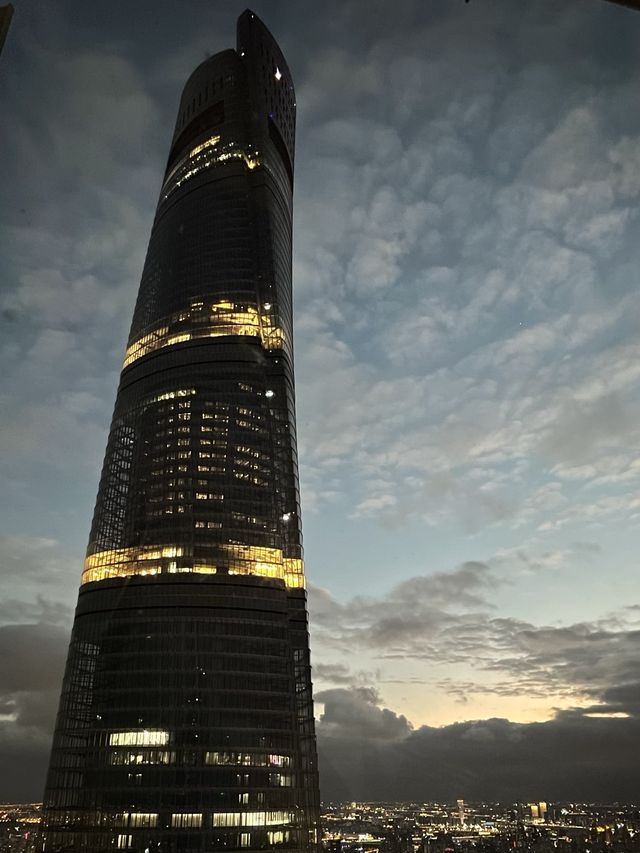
(467, 365)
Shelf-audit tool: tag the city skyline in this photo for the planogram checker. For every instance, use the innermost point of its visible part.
(433, 827)
(465, 259)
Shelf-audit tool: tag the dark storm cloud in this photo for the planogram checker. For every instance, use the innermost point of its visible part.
(31, 656)
(25, 757)
(38, 584)
(572, 757)
(31, 664)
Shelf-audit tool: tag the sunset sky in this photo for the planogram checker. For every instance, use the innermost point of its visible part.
(467, 364)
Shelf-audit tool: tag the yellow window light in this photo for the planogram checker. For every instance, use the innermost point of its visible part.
(208, 143)
(232, 559)
(225, 318)
(139, 737)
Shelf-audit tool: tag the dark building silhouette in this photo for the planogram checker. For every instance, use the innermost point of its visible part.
(186, 719)
(6, 14)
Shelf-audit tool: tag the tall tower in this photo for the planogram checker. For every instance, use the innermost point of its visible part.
(186, 719)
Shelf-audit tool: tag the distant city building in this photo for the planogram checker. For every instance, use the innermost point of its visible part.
(489, 828)
(461, 811)
(186, 718)
(380, 827)
(6, 14)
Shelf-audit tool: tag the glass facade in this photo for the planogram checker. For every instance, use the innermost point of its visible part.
(186, 720)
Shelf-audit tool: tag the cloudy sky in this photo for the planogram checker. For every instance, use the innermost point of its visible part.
(467, 358)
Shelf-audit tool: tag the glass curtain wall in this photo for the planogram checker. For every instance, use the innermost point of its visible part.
(186, 718)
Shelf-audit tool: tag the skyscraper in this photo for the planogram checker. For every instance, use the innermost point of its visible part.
(186, 719)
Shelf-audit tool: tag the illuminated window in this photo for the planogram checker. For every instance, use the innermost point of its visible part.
(148, 756)
(208, 143)
(205, 156)
(171, 395)
(144, 737)
(143, 819)
(226, 819)
(239, 559)
(281, 780)
(222, 318)
(190, 820)
(250, 818)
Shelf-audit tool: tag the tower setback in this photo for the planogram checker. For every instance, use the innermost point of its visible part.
(186, 720)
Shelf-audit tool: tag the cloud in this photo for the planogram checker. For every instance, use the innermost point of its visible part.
(34, 569)
(445, 622)
(336, 673)
(75, 227)
(340, 673)
(572, 757)
(464, 303)
(356, 714)
(34, 636)
(32, 660)
(32, 558)
(413, 612)
(25, 757)
(447, 257)
(32, 657)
